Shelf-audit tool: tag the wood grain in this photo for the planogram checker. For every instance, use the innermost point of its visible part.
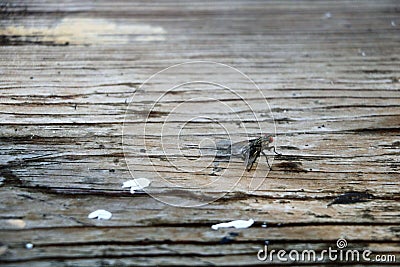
(71, 81)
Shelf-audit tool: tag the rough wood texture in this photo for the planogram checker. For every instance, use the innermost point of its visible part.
(330, 73)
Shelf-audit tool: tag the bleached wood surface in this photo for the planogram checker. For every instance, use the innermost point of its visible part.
(68, 71)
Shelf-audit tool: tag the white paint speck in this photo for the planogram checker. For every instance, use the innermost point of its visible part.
(17, 223)
(29, 246)
(3, 250)
(238, 224)
(327, 15)
(136, 184)
(393, 23)
(100, 215)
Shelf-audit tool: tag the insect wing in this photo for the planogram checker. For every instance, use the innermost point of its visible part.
(242, 149)
(239, 148)
(249, 151)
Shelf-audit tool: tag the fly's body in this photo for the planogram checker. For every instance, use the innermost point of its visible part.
(252, 149)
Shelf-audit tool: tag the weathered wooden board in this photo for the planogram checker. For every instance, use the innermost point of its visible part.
(73, 106)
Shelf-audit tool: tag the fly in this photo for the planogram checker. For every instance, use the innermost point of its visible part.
(251, 150)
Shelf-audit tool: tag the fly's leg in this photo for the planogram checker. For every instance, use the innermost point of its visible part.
(251, 159)
(266, 159)
(249, 166)
(273, 148)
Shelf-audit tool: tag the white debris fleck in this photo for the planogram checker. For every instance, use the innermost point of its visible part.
(29, 246)
(393, 23)
(3, 249)
(327, 15)
(136, 184)
(238, 224)
(17, 223)
(100, 215)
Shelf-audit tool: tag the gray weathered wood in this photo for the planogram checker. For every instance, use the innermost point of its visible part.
(68, 71)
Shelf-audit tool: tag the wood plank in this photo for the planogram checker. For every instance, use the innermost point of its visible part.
(73, 106)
